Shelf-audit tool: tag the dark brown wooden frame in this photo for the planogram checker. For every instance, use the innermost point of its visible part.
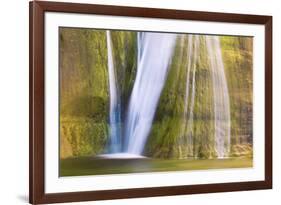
(37, 194)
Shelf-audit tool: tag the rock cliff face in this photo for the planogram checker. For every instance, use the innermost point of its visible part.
(84, 95)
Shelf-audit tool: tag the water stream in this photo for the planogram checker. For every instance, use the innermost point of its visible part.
(221, 97)
(154, 55)
(115, 107)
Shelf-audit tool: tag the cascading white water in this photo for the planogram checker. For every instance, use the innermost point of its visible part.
(155, 51)
(115, 107)
(192, 56)
(189, 63)
(154, 55)
(139, 45)
(221, 97)
(195, 54)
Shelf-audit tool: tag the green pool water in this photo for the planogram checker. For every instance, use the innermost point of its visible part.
(80, 166)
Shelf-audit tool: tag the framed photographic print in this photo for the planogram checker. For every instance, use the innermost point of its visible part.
(138, 102)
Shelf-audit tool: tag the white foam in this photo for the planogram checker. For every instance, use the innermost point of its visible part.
(121, 155)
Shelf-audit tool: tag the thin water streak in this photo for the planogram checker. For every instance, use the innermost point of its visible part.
(115, 107)
(221, 97)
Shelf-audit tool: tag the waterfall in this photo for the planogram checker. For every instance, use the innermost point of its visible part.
(139, 45)
(221, 97)
(155, 51)
(115, 107)
(189, 58)
(190, 120)
(192, 56)
(154, 54)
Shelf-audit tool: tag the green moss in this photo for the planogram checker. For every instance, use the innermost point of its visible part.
(83, 136)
